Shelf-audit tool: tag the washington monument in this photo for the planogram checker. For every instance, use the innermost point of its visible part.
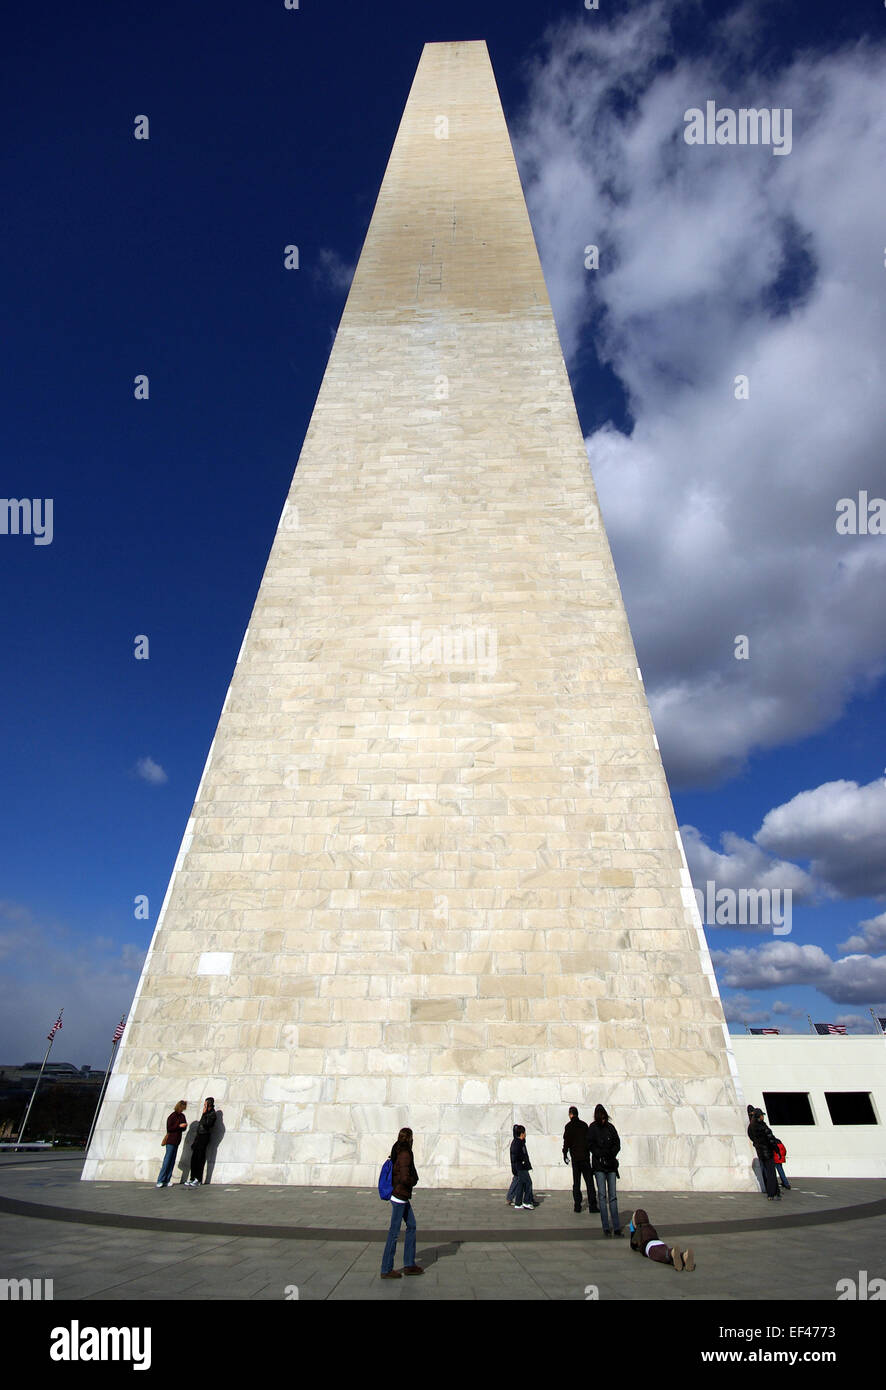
(432, 875)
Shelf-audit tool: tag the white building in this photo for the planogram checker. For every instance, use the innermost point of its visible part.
(824, 1098)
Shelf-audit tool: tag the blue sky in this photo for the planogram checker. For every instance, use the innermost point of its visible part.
(270, 126)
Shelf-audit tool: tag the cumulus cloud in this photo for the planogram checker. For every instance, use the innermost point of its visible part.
(718, 261)
(872, 936)
(46, 966)
(786, 1010)
(741, 865)
(740, 1008)
(152, 772)
(857, 1023)
(857, 979)
(841, 828)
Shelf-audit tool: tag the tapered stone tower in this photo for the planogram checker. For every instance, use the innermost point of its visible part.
(432, 874)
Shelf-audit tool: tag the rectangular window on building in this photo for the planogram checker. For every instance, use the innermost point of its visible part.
(787, 1108)
(850, 1107)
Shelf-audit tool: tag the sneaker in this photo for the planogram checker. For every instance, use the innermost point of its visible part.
(394, 1274)
(689, 1259)
(413, 1269)
(607, 1233)
(619, 1232)
(527, 1206)
(676, 1258)
(160, 1184)
(575, 1209)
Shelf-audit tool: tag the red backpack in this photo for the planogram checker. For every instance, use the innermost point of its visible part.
(779, 1153)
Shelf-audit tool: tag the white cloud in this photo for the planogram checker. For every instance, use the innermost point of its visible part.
(857, 979)
(741, 865)
(718, 261)
(740, 1008)
(152, 772)
(871, 938)
(841, 828)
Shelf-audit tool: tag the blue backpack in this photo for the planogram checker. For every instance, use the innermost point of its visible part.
(386, 1181)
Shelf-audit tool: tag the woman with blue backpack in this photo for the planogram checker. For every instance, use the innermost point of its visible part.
(398, 1178)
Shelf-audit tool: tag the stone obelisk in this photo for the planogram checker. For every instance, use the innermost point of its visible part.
(432, 874)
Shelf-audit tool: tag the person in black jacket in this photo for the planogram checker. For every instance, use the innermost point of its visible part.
(646, 1240)
(575, 1146)
(604, 1145)
(763, 1140)
(205, 1127)
(521, 1167)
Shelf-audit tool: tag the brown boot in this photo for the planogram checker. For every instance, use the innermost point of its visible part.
(392, 1275)
(413, 1269)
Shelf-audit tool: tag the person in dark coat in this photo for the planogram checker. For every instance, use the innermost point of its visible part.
(763, 1140)
(205, 1127)
(404, 1178)
(176, 1123)
(646, 1240)
(575, 1147)
(604, 1144)
(521, 1167)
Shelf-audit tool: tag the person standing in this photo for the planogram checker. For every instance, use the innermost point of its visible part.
(604, 1144)
(175, 1125)
(779, 1154)
(576, 1148)
(205, 1127)
(403, 1178)
(763, 1140)
(521, 1168)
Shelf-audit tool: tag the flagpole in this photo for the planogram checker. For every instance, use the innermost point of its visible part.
(34, 1092)
(880, 1030)
(102, 1093)
(812, 1027)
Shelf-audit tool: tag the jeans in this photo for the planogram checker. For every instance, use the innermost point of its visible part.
(779, 1168)
(398, 1211)
(581, 1168)
(607, 1199)
(767, 1168)
(523, 1194)
(168, 1163)
(512, 1190)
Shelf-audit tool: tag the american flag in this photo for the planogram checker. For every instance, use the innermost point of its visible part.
(765, 1030)
(55, 1027)
(882, 1023)
(826, 1028)
(118, 1031)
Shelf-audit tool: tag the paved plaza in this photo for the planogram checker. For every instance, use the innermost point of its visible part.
(128, 1241)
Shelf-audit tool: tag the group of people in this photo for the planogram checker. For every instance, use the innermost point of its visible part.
(176, 1124)
(592, 1149)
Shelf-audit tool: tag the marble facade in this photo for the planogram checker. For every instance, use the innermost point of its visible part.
(432, 874)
